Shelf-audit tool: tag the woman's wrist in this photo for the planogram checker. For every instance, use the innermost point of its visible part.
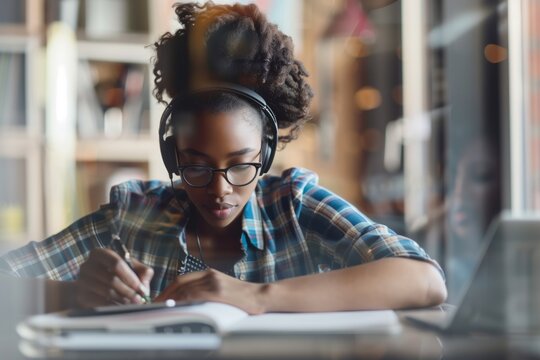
(59, 295)
(263, 297)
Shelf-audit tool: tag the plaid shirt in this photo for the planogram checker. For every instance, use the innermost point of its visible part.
(291, 227)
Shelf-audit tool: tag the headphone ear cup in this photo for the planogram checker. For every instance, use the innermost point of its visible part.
(266, 156)
(168, 153)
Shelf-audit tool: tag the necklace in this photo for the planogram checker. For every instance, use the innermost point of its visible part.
(190, 263)
(199, 243)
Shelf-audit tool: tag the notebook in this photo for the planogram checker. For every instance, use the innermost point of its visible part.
(503, 294)
(198, 326)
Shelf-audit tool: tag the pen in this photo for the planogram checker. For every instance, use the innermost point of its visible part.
(119, 247)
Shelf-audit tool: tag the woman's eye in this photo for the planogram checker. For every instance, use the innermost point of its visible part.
(240, 167)
(196, 171)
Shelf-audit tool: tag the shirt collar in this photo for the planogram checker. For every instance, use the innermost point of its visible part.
(252, 224)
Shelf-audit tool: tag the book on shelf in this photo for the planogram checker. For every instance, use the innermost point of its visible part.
(12, 12)
(113, 99)
(12, 91)
(199, 325)
(105, 19)
(12, 198)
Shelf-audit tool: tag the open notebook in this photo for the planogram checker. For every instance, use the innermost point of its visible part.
(199, 326)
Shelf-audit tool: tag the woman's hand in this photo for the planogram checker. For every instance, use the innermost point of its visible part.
(212, 285)
(106, 279)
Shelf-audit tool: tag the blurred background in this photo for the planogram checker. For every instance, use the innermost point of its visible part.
(426, 113)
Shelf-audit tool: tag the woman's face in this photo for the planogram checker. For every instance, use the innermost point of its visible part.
(220, 140)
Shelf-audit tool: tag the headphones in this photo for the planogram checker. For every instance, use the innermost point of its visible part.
(167, 140)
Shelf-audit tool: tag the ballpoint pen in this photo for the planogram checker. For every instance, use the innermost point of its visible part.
(119, 247)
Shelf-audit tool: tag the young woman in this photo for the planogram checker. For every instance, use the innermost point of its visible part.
(222, 233)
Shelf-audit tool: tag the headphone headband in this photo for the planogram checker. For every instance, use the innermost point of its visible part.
(167, 144)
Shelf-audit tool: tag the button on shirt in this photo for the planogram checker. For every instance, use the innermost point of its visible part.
(291, 227)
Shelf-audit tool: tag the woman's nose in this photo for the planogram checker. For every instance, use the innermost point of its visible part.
(219, 186)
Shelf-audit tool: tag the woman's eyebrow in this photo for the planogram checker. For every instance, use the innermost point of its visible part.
(244, 151)
(193, 152)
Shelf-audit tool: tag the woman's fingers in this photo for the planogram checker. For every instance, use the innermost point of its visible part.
(181, 288)
(111, 288)
(114, 264)
(107, 277)
(144, 273)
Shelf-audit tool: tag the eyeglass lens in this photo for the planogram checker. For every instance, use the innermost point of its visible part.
(238, 175)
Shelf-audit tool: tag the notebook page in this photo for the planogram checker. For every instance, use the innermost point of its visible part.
(224, 315)
(383, 321)
(215, 314)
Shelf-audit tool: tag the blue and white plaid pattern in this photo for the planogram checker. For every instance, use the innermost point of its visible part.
(291, 227)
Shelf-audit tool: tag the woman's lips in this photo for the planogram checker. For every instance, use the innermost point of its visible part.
(221, 211)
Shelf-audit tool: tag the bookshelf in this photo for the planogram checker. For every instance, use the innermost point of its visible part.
(21, 136)
(76, 110)
(116, 118)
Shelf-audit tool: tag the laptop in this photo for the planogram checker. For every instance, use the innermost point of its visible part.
(503, 294)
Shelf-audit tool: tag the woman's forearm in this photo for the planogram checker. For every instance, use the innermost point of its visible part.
(392, 283)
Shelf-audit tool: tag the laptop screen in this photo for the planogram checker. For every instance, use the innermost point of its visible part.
(503, 294)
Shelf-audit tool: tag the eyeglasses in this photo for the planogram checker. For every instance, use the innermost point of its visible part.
(236, 175)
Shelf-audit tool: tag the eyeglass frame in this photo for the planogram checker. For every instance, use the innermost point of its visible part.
(181, 169)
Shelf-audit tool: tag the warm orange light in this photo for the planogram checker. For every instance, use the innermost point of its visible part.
(495, 53)
(356, 48)
(368, 98)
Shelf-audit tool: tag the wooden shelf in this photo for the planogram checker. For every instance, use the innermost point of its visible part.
(17, 42)
(132, 52)
(13, 30)
(131, 150)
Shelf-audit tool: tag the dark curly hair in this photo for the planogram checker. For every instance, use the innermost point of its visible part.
(234, 43)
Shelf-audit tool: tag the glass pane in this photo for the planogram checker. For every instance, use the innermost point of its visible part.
(12, 198)
(531, 83)
(12, 90)
(468, 104)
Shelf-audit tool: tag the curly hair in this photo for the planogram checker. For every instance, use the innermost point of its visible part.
(234, 43)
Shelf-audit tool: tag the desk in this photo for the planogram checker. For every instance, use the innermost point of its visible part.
(411, 343)
(19, 299)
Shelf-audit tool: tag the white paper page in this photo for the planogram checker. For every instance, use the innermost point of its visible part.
(106, 341)
(224, 315)
(216, 314)
(384, 321)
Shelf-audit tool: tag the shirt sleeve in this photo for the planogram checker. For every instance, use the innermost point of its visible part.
(338, 234)
(59, 256)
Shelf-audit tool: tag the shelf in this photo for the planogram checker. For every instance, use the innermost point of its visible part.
(19, 146)
(16, 43)
(113, 59)
(129, 150)
(13, 31)
(132, 52)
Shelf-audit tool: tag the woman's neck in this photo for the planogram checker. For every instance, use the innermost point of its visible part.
(232, 231)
